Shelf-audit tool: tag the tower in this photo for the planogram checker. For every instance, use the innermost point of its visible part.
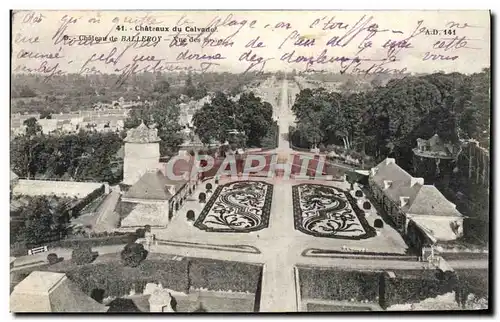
(142, 153)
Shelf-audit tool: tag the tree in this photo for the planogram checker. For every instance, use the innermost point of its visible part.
(44, 221)
(133, 254)
(83, 255)
(27, 92)
(162, 87)
(250, 117)
(189, 88)
(213, 121)
(32, 126)
(164, 116)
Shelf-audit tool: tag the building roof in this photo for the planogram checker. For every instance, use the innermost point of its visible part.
(422, 199)
(437, 229)
(142, 134)
(431, 202)
(51, 292)
(145, 214)
(402, 184)
(152, 185)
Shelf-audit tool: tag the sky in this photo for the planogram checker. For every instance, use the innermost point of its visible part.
(357, 42)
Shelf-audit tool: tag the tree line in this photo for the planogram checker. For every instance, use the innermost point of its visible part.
(31, 93)
(388, 119)
(84, 156)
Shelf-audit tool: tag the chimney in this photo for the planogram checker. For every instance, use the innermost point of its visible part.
(387, 184)
(389, 161)
(414, 181)
(404, 201)
(373, 171)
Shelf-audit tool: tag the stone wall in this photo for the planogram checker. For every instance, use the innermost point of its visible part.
(57, 188)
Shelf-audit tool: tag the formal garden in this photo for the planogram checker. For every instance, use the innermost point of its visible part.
(326, 211)
(242, 206)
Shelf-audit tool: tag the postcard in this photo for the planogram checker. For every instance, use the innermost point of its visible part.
(250, 161)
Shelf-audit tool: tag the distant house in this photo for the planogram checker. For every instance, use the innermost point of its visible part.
(51, 292)
(420, 212)
(49, 125)
(433, 157)
(434, 147)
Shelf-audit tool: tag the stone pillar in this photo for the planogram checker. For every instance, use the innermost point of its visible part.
(160, 301)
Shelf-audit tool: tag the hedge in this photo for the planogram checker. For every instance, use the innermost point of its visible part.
(472, 281)
(94, 242)
(222, 275)
(339, 285)
(451, 256)
(414, 286)
(117, 280)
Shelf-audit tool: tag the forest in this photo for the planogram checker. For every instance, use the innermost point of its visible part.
(387, 120)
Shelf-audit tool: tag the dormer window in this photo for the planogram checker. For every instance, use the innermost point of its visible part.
(404, 201)
(387, 184)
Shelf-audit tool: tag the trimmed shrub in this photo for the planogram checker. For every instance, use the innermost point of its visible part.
(190, 215)
(52, 258)
(99, 240)
(202, 197)
(208, 186)
(358, 193)
(378, 223)
(217, 181)
(133, 254)
(367, 205)
(140, 232)
(83, 255)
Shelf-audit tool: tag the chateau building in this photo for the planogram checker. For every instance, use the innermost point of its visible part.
(154, 195)
(419, 211)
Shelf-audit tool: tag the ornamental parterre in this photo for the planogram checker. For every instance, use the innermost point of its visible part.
(241, 206)
(325, 211)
